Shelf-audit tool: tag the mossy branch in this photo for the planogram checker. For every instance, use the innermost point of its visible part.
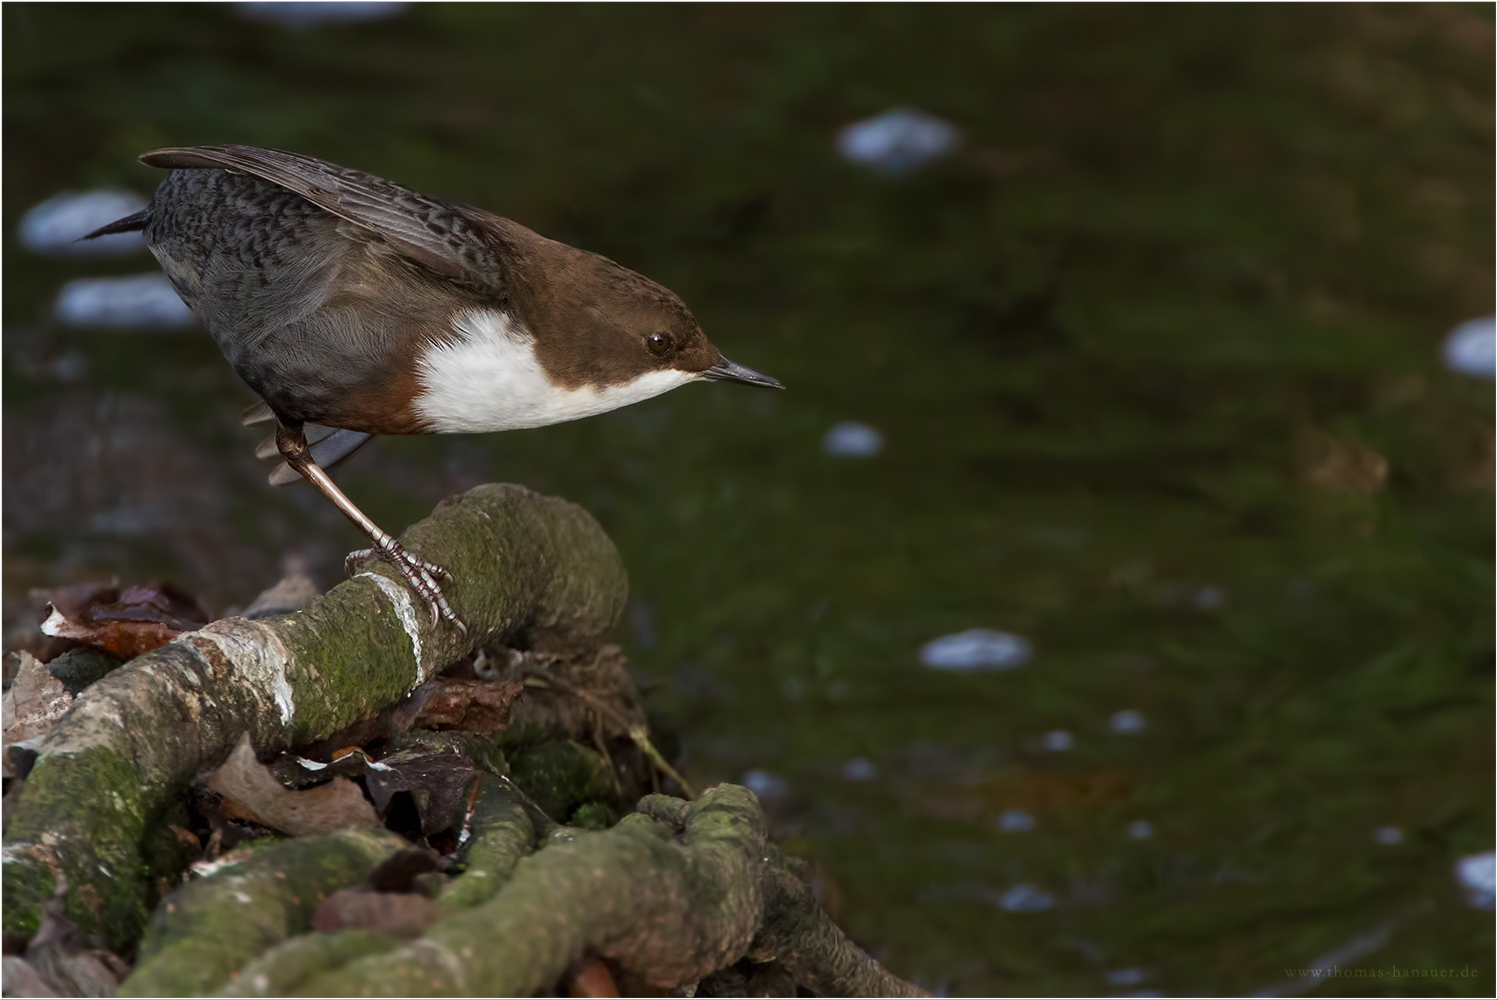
(671, 896)
(668, 905)
(525, 568)
(210, 928)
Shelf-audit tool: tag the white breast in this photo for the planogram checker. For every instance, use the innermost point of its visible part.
(488, 379)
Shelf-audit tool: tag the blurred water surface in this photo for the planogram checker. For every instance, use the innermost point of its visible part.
(1155, 358)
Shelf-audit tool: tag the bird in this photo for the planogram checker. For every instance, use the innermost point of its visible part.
(353, 306)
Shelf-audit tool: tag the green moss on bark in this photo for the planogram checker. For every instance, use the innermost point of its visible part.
(100, 790)
(560, 776)
(206, 931)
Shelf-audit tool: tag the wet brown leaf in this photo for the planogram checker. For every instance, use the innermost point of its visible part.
(474, 706)
(70, 599)
(125, 624)
(437, 781)
(34, 702)
(127, 640)
(256, 795)
(436, 777)
(398, 914)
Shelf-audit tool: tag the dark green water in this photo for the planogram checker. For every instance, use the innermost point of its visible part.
(1169, 321)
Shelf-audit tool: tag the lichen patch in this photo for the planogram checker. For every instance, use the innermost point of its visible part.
(256, 653)
(405, 612)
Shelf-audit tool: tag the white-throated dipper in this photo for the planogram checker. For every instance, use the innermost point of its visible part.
(353, 306)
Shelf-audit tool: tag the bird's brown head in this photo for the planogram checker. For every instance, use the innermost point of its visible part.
(613, 326)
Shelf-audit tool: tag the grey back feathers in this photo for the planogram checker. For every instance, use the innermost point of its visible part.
(430, 231)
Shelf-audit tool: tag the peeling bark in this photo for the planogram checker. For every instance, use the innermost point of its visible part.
(527, 569)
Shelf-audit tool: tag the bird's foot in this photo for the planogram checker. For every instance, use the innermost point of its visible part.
(425, 578)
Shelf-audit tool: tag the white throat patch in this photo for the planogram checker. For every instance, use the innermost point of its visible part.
(488, 379)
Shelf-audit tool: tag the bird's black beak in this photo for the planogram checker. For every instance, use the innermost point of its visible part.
(730, 371)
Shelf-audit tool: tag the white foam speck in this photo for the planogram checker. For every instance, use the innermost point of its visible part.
(1472, 348)
(306, 13)
(1026, 898)
(1016, 821)
(139, 301)
(898, 141)
(851, 439)
(1475, 874)
(976, 649)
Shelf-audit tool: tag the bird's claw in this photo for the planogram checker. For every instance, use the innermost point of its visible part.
(424, 577)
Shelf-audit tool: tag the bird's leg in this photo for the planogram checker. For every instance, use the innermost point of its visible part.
(423, 576)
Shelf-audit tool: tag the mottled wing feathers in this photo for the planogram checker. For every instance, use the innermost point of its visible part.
(434, 233)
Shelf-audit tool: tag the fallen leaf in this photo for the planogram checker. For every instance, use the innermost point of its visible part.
(161, 602)
(127, 640)
(256, 795)
(475, 706)
(125, 624)
(71, 600)
(34, 702)
(437, 781)
(398, 914)
(295, 771)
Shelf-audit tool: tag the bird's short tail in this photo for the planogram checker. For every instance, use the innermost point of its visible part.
(129, 224)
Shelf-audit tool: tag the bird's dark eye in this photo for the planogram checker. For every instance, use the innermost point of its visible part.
(658, 343)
